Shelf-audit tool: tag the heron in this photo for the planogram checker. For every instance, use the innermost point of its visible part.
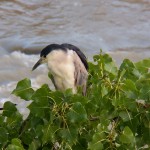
(67, 65)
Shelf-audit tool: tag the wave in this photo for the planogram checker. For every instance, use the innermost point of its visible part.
(18, 44)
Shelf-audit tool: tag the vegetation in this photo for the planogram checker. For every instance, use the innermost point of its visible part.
(115, 114)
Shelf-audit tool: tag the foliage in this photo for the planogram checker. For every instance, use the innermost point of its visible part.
(115, 114)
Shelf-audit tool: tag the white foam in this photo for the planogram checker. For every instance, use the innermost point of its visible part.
(15, 67)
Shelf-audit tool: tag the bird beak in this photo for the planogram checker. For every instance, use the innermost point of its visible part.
(39, 62)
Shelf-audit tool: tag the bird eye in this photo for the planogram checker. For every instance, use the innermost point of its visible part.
(44, 56)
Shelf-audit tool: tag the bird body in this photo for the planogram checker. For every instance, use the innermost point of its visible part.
(62, 68)
(67, 64)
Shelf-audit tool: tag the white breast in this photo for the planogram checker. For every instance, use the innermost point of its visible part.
(61, 65)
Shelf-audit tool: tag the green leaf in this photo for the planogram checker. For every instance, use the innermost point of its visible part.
(111, 68)
(127, 136)
(17, 142)
(48, 133)
(9, 109)
(126, 116)
(79, 98)
(96, 143)
(37, 109)
(143, 66)
(1, 120)
(104, 91)
(34, 145)
(38, 131)
(28, 136)
(3, 136)
(57, 97)
(77, 113)
(41, 96)
(69, 135)
(130, 68)
(130, 89)
(23, 89)
(15, 145)
(40, 102)
(81, 144)
(143, 85)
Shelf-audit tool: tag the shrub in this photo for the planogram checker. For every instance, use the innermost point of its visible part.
(115, 114)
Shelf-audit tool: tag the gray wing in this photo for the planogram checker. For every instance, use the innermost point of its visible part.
(52, 79)
(80, 73)
(78, 52)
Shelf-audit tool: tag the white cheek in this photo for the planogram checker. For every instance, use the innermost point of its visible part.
(44, 60)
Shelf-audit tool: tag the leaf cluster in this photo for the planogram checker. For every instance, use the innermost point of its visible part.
(115, 113)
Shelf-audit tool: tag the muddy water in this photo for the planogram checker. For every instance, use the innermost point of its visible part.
(119, 27)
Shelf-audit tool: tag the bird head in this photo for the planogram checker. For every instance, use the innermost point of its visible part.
(39, 62)
(45, 52)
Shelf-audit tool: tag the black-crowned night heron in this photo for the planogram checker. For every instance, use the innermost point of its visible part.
(67, 64)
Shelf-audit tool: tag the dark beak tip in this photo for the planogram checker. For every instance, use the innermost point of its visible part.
(36, 65)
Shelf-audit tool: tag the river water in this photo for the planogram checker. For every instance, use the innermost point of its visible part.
(119, 27)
